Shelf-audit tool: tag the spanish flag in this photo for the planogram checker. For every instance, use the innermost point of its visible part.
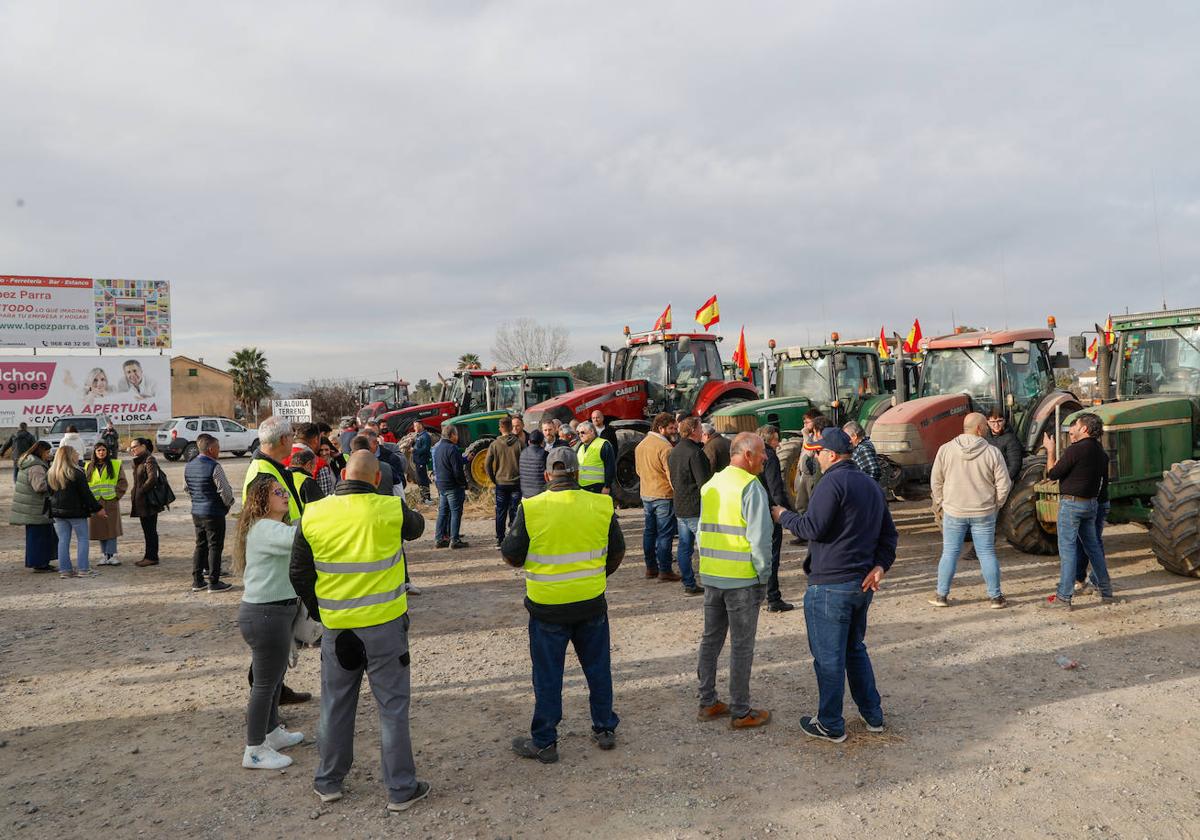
(884, 352)
(741, 358)
(1109, 338)
(664, 320)
(709, 313)
(1092, 351)
(912, 344)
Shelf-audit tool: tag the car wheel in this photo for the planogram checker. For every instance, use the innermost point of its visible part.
(190, 451)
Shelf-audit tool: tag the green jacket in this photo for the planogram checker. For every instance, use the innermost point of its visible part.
(31, 494)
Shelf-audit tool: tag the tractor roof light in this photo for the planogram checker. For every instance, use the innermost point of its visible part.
(1051, 322)
(771, 343)
(959, 330)
(626, 329)
(835, 337)
(835, 404)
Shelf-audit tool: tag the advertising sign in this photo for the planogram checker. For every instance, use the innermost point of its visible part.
(133, 313)
(297, 411)
(40, 389)
(46, 312)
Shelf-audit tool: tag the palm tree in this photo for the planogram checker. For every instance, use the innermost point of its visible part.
(468, 360)
(251, 379)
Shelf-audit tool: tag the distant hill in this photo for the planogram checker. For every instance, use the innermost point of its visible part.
(285, 390)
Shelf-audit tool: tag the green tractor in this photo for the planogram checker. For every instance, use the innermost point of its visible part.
(845, 382)
(511, 393)
(1151, 432)
(733, 373)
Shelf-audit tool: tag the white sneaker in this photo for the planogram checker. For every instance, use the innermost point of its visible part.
(263, 757)
(411, 590)
(280, 739)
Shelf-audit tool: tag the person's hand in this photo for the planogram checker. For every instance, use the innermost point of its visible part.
(605, 491)
(776, 512)
(102, 513)
(873, 579)
(1047, 442)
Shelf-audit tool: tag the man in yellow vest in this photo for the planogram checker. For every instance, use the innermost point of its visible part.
(275, 438)
(348, 567)
(597, 460)
(735, 566)
(568, 541)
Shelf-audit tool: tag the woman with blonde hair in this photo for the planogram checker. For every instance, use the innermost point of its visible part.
(262, 551)
(71, 503)
(108, 483)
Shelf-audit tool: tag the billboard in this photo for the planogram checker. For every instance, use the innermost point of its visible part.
(297, 411)
(40, 389)
(81, 312)
(133, 313)
(46, 312)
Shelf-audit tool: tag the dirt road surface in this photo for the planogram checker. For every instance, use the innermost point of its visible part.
(122, 701)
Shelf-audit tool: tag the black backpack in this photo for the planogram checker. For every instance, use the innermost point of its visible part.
(160, 496)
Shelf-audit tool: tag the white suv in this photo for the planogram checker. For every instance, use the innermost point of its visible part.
(177, 437)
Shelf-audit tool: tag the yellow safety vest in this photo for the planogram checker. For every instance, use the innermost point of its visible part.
(568, 545)
(258, 465)
(104, 486)
(358, 552)
(591, 465)
(724, 548)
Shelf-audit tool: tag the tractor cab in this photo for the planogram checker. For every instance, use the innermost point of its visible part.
(376, 398)
(674, 366)
(517, 390)
(734, 374)
(469, 390)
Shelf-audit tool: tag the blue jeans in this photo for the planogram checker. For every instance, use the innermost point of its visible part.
(689, 527)
(1081, 559)
(508, 501)
(108, 546)
(983, 533)
(64, 529)
(449, 518)
(836, 617)
(548, 652)
(658, 533)
(1077, 524)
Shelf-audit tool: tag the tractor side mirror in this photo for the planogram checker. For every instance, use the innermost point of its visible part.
(1019, 357)
(1077, 347)
(1010, 401)
(839, 362)
(1059, 362)
(685, 344)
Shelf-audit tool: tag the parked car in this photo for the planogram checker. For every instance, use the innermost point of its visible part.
(177, 437)
(89, 429)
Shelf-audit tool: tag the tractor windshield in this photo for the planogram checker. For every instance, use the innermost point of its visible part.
(648, 361)
(508, 393)
(804, 378)
(469, 393)
(1162, 360)
(961, 370)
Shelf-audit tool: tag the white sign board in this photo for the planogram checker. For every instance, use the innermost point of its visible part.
(38, 390)
(46, 312)
(297, 411)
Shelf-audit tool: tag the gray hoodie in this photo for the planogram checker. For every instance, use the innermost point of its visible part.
(969, 478)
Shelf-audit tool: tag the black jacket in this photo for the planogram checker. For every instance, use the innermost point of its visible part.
(515, 549)
(303, 571)
(772, 479)
(610, 435)
(717, 450)
(448, 470)
(690, 469)
(1010, 448)
(75, 501)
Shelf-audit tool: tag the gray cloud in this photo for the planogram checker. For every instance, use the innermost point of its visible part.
(367, 188)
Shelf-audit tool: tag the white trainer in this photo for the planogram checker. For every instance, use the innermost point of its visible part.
(280, 739)
(263, 757)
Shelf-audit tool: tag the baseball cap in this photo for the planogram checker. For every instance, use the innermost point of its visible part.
(833, 439)
(561, 460)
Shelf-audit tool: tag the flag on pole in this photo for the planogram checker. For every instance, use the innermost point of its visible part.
(1109, 338)
(740, 357)
(664, 320)
(1093, 351)
(708, 314)
(884, 352)
(912, 344)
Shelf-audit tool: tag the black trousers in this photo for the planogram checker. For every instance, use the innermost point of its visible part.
(210, 542)
(774, 596)
(150, 533)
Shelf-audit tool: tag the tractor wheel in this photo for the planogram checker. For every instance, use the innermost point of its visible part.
(789, 453)
(626, 488)
(891, 476)
(478, 481)
(1019, 520)
(1175, 520)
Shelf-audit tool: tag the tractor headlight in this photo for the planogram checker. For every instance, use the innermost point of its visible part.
(893, 446)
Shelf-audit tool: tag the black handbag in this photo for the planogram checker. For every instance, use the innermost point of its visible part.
(160, 496)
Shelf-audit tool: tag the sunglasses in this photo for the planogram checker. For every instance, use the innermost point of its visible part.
(281, 493)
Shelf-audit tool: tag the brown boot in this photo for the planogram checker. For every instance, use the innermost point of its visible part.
(145, 562)
(668, 577)
(755, 717)
(651, 573)
(712, 712)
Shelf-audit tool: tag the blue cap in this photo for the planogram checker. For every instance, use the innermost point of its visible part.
(835, 440)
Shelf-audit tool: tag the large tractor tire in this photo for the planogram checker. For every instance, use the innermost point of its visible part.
(1175, 521)
(626, 490)
(478, 481)
(1018, 519)
(789, 453)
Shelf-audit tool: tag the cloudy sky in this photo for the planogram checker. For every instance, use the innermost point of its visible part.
(367, 186)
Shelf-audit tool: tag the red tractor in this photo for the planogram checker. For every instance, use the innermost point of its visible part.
(466, 391)
(378, 398)
(653, 372)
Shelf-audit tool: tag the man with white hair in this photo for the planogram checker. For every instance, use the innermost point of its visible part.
(864, 450)
(275, 438)
(597, 460)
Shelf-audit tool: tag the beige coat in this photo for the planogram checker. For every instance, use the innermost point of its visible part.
(650, 457)
(969, 478)
(107, 528)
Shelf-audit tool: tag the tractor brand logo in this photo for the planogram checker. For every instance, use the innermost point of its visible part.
(626, 391)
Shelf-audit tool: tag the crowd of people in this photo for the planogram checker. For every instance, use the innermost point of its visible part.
(320, 547)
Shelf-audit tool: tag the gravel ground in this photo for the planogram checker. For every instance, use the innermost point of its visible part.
(122, 702)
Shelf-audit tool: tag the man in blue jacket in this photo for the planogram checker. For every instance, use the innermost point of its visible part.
(422, 450)
(451, 480)
(852, 544)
